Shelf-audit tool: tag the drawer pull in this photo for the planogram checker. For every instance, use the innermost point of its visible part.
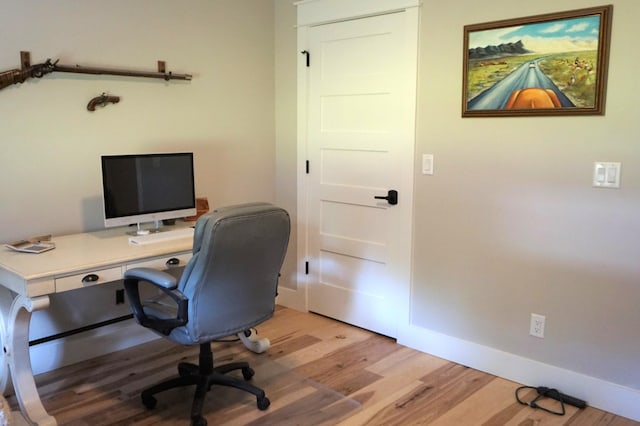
(91, 278)
(173, 261)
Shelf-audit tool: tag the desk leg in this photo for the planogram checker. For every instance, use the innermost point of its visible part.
(15, 338)
(6, 297)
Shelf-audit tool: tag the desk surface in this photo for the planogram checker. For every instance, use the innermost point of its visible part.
(34, 274)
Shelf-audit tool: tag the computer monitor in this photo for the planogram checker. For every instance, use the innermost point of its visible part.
(147, 188)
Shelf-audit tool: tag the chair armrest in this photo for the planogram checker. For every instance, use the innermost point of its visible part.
(165, 283)
(153, 276)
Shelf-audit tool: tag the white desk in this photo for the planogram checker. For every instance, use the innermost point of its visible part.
(27, 279)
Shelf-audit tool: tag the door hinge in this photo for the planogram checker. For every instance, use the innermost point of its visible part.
(308, 55)
(306, 268)
(307, 166)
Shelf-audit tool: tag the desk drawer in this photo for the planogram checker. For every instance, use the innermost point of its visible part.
(162, 263)
(87, 279)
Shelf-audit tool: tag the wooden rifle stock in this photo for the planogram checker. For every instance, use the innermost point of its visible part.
(7, 78)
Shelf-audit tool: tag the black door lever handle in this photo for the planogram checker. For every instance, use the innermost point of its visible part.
(392, 197)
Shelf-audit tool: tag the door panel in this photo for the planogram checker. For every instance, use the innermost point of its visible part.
(360, 130)
(372, 114)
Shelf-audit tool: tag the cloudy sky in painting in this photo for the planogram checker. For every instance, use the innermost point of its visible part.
(564, 35)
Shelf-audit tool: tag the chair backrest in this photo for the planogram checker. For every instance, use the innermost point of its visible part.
(231, 280)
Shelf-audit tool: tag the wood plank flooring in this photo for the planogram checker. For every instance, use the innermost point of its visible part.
(318, 371)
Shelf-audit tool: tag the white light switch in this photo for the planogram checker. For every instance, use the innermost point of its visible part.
(606, 174)
(600, 174)
(427, 164)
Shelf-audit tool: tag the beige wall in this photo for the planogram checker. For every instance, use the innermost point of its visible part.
(509, 224)
(286, 57)
(51, 145)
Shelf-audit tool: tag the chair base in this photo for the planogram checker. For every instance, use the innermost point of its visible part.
(203, 376)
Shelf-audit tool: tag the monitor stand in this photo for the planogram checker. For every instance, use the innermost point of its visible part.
(140, 231)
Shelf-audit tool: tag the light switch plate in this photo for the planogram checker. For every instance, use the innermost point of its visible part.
(427, 164)
(606, 174)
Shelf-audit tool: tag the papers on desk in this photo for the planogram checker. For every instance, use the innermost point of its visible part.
(26, 246)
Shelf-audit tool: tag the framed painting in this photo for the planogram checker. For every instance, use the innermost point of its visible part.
(553, 64)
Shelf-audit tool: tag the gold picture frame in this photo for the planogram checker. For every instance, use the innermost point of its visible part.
(552, 64)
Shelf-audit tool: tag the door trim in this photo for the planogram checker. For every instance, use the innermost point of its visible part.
(317, 12)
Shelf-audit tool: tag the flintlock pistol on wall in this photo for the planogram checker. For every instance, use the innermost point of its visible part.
(102, 100)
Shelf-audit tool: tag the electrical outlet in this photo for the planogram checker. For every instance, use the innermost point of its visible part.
(536, 327)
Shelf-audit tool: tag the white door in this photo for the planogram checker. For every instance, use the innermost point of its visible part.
(360, 131)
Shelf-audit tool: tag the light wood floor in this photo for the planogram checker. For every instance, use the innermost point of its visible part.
(380, 382)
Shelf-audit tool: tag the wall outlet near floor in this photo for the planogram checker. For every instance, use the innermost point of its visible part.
(536, 327)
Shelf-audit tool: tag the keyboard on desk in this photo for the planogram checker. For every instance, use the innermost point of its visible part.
(164, 236)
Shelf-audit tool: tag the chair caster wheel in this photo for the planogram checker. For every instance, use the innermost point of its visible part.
(149, 402)
(198, 421)
(248, 373)
(263, 403)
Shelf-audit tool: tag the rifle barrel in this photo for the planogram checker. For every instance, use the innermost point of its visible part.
(127, 73)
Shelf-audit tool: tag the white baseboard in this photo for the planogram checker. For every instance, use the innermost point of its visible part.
(617, 399)
(79, 347)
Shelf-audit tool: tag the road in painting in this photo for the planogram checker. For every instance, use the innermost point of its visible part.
(541, 65)
(526, 76)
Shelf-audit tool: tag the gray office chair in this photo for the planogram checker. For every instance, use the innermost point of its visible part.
(227, 287)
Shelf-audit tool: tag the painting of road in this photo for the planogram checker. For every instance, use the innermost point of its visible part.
(538, 66)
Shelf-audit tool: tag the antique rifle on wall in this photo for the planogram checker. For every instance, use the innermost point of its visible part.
(7, 78)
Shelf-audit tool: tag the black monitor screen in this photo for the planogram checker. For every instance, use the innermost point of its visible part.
(135, 185)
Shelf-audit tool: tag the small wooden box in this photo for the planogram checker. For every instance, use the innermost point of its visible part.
(202, 206)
